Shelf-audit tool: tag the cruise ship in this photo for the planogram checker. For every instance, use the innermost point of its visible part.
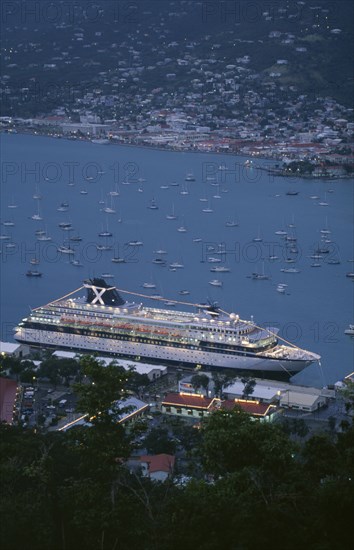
(103, 322)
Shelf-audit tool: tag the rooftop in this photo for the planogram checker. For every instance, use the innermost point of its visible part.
(159, 463)
(8, 390)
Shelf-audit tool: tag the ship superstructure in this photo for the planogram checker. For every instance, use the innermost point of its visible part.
(104, 322)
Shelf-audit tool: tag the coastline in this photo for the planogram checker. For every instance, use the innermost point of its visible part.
(268, 168)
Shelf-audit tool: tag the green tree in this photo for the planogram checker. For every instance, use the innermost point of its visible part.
(249, 385)
(103, 387)
(13, 364)
(158, 441)
(347, 393)
(50, 369)
(320, 456)
(27, 375)
(200, 381)
(222, 380)
(232, 440)
(67, 368)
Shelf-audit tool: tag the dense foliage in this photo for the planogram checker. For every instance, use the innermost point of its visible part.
(252, 485)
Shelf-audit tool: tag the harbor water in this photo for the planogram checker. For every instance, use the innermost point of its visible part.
(196, 210)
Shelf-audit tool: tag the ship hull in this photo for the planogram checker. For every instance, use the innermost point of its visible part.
(162, 353)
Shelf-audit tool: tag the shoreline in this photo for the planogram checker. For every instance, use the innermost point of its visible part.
(269, 169)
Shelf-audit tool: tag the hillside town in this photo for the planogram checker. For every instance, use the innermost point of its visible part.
(39, 393)
(141, 85)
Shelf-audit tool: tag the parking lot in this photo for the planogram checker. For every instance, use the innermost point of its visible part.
(42, 405)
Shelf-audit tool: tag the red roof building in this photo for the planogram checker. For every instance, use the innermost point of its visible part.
(254, 408)
(197, 406)
(8, 395)
(158, 467)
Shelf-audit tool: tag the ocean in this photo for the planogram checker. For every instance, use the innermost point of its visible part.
(78, 176)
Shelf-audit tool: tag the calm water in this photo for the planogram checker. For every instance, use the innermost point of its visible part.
(317, 305)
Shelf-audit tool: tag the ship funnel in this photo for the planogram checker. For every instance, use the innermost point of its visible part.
(100, 293)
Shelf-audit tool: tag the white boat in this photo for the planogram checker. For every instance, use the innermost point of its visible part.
(37, 216)
(326, 230)
(33, 273)
(37, 196)
(63, 207)
(182, 229)
(135, 243)
(260, 276)
(349, 330)
(172, 215)
(281, 288)
(208, 209)
(12, 204)
(101, 201)
(184, 292)
(231, 223)
(110, 209)
(83, 192)
(215, 282)
(290, 270)
(153, 205)
(115, 192)
(76, 263)
(65, 249)
(324, 202)
(220, 269)
(190, 176)
(148, 285)
(118, 260)
(258, 238)
(44, 238)
(176, 265)
(105, 231)
(103, 247)
(65, 225)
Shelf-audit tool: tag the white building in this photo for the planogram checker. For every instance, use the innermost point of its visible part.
(152, 371)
